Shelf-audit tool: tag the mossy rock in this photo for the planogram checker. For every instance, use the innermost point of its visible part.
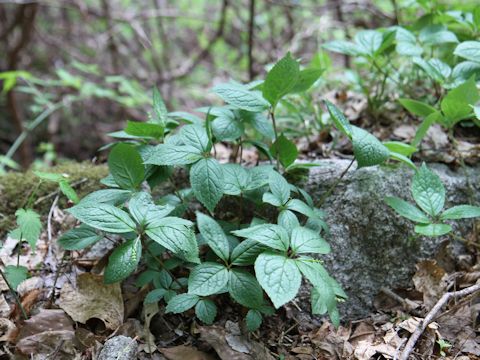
(16, 188)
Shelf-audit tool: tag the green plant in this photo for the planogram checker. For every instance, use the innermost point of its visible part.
(243, 253)
(444, 346)
(429, 194)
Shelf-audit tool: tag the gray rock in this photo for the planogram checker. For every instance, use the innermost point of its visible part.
(119, 348)
(371, 245)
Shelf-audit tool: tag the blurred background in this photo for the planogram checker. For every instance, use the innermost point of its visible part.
(81, 68)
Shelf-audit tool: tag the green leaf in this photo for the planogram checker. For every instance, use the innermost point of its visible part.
(206, 179)
(279, 187)
(107, 196)
(123, 261)
(103, 217)
(456, 104)
(407, 210)
(68, 191)
(213, 234)
(425, 125)
(15, 275)
(79, 238)
(469, 50)
(246, 252)
(400, 148)
(241, 97)
(49, 176)
(259, 122)
(288, 220)
(343, 47)
(306, 78)
(154, 296)
(245, 289)
(368, 150)
(206, 311)
(284, 150)
(176, 235)
(436, 35)
(253, 319)
(143, 209)
(227, 128)
(159, 109)
(340, 121)
(144, 130)
(417, 107)
(461, 212)
(207, 279)
(29, 225)
(181, 303)
(300, 207)
(428, 191)
(304, 241)
(278, 276)
(236, 179)
(433, 230)
(271, 235)
(281, 79)
(126, 166)
(196, 136)
(369, 41)
(165, 154)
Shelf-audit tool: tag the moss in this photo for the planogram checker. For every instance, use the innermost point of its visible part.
(15, 189)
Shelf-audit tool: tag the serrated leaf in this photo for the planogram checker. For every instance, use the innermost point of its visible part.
(279, 187)
(245, 289)
(278, 276)
(143, 209)
(343, 47)
(368, 150)
(227, 128)
(280, 79)
(469, 50)
(236, 179)
(461, 212)
(369, 41)
(154, 296)
(259, 122)
(253, 319)
(79, 238)
(181, 303)
(246, 252)
(417, 107)
(407, 210)
(107, 196)
(15, 275)
(271, 235)
(300, 207)
(196, 136)
(29, 225)
(213, 234)
(68, 191)
(163, 280)
(206, 311)
(103, 217)
(285, 150)
(159, 109)
(340, 121)
(166, 154)
(433, 230)
(207, 279)
(206, 179)
(241, 97)
(49, 176)
(123, 261)
(144, 130)
(126, 166)
(456, 104)
(428, 191)
(176, 235)
(288, 220)
(306, 78)
(304, 241)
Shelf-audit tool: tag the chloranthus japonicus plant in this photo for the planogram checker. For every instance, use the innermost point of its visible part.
(182, 243)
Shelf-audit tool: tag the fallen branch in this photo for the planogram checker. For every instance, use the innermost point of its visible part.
(431, 316)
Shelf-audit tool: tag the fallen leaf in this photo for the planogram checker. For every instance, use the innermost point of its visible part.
(431, 280)
(93, 299)
(7, 330)
(363, 332)
(183, 352)
(4, 307)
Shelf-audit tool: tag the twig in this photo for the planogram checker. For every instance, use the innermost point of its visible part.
(431, 316)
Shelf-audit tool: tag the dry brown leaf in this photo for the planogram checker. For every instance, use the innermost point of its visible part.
(431, 280)
(93, 299)
(149, 311)
(363, 332)
(7, 330)
(331, 343)
(183, 352)
(4, 307)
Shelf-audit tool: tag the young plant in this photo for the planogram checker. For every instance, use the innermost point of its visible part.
(429, 194)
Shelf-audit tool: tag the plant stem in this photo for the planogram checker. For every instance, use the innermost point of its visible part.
(274, 123)
(13, 292)
(162, 264)
(334, 185)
